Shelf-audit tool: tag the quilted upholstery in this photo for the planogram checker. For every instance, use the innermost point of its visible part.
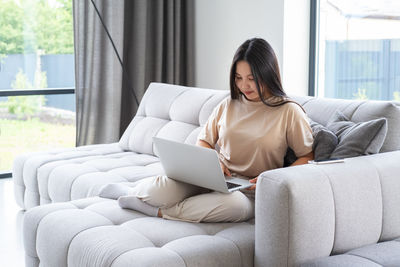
(302, 213)
(172, 112)
(27, 174)
(322, 210)
(168, 111)
(106, 235)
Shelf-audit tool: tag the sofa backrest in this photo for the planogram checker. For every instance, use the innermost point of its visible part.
(321, 109)
(178, 112)
(170, 111)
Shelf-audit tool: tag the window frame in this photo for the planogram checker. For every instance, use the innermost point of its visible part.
(33, 92)
(313, 49)
(314, 55)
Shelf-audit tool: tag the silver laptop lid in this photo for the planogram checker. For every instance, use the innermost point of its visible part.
(191, 164)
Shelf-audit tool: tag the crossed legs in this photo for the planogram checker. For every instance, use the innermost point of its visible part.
(167, 198)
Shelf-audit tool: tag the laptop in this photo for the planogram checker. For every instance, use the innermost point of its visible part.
(196, 165)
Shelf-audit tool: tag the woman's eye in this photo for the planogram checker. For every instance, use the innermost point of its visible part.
(238, 78)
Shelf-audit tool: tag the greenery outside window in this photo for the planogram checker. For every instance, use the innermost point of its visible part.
(37, 102)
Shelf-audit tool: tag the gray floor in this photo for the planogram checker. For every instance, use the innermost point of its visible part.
(11, 216)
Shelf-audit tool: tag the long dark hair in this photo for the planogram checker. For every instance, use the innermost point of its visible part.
(264, 67)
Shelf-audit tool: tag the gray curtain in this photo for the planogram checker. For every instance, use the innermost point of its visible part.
(155, 41)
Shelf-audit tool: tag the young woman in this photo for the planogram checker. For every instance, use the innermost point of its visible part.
(253, 129)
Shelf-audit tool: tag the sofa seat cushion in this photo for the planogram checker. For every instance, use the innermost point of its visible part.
(26, 167)
(77, 173)
(375, 255)
(82, 178)
(97, 232)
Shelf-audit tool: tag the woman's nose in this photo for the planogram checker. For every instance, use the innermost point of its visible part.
(245, 84)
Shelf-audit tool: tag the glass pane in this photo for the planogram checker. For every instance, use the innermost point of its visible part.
(36, 51)
(27, 125)
(36, 44)
(359, 49)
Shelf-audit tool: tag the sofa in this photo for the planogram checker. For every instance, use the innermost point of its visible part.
(343, 214)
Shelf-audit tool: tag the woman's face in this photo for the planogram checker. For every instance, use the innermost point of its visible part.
(245, 81)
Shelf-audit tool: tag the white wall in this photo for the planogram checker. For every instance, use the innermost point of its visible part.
(296, 46)
(222, 25)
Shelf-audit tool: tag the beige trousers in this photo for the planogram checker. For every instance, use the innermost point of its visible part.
(186, 202)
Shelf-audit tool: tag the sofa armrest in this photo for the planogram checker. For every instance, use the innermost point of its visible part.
(312, 211)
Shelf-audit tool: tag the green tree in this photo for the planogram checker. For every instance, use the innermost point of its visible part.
(11, 28)
(54, 27)
(27, 25)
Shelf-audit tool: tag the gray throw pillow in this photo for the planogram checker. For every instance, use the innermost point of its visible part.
(356, 139)
(325, 141)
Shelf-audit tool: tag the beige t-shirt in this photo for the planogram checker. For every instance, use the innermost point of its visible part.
(253, 137)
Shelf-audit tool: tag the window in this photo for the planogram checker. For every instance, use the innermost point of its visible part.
(358, 49)
(37, 102)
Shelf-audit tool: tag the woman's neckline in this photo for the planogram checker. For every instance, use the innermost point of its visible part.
(270, 99)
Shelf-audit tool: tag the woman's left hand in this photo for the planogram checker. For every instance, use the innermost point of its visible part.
(253, 181)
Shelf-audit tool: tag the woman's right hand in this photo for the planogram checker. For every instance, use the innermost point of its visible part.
(225, 169)
(253, 181)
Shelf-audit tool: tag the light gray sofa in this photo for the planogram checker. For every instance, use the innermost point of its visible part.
(312, 215)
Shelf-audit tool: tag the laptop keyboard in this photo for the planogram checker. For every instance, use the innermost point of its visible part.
(232, 185)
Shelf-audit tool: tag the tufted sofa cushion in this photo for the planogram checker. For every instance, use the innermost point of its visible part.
(313, 211)
(31, 171)
(106, 235)
(172, 112)
(169, 111)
